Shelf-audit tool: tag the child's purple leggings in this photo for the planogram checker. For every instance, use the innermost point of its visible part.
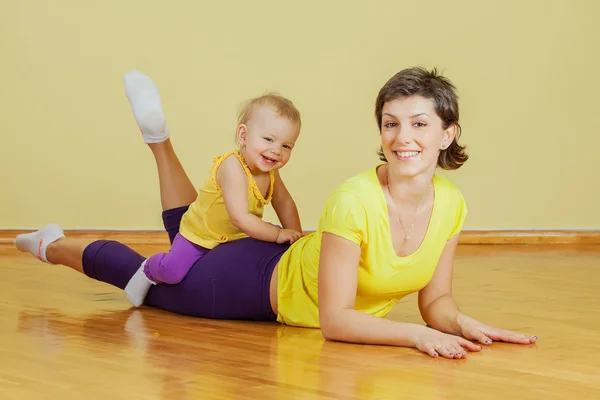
(231, 281)
(173, 266)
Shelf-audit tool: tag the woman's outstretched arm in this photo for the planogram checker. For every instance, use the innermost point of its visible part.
(338, 277)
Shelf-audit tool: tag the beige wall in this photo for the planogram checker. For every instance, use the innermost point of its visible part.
(527, 74)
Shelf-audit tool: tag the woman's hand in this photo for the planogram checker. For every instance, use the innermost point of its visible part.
(436, 343)
(484, 334)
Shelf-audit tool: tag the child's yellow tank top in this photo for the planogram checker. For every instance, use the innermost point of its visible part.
(206, 222)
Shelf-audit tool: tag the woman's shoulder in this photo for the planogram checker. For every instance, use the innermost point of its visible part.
(450, 204)
(361, 184)
(356, 194)
(447, 189)
(348, 206)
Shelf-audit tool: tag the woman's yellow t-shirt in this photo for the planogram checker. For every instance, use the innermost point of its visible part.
(357, 211)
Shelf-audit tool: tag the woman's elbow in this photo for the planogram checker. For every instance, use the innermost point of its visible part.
(329, 334)
(330, 328)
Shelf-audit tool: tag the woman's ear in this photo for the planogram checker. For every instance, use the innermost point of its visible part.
(449, 135)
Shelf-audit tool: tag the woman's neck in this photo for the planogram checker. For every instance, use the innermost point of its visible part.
(405, 190)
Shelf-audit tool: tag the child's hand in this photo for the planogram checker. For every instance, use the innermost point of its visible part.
(288, 235)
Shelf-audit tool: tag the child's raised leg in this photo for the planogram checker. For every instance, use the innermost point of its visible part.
(168, 268)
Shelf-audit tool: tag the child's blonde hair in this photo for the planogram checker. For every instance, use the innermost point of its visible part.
(282, 106)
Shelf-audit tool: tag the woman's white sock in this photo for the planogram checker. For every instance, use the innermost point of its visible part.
(37, 242)
(145, 103)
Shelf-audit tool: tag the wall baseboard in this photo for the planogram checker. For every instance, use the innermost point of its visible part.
(530, 237)
(129, 237)
(500, 237)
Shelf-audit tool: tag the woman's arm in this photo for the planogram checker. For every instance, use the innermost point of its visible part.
(338, 278)
(437, 306)
(440, 311)
(284, 206)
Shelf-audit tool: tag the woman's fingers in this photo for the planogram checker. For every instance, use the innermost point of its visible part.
(459, 352)
(456, 347)
(477, 334)
(449, 346)
(447, 350)
(501, 335)
(443, 351)
(468, 345)
(431, 351)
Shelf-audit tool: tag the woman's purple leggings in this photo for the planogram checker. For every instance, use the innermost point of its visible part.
(230, 282)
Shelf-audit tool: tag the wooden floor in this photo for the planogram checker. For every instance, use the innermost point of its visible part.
(65, 336)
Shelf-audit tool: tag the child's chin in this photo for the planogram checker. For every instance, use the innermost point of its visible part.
(264, 165)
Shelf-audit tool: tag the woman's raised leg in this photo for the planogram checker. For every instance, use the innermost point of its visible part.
(176, 189)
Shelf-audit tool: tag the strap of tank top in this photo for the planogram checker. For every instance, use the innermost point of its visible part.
(219, 160)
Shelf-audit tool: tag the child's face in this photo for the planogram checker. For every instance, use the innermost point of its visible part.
(267, 139)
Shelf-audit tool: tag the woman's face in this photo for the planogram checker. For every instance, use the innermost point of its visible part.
(412, 135)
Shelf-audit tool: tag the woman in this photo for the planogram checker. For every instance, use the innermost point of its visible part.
(384, 233)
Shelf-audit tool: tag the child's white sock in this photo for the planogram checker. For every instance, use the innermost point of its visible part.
(37, 242)
(146, 105)
(138, 286)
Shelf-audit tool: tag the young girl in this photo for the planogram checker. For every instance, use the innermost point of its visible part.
(230, 203)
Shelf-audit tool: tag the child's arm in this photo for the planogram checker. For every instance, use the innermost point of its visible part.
(284, 206)
(231, 178)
